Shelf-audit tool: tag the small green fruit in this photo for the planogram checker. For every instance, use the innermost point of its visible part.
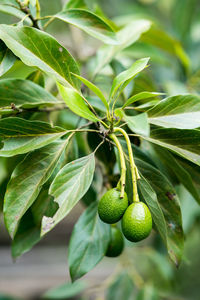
(137, 222)
(116, 244)
(111, 207)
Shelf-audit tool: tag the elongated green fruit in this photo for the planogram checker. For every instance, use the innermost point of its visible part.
(111, 207)
(116, 244)
(137, 222)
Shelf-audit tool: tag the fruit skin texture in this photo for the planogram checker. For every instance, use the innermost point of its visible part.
(137, 222)
(116, 244)
(111, 208)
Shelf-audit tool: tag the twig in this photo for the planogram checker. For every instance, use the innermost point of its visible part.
(99, 145)
(19, 110)
(27, 11)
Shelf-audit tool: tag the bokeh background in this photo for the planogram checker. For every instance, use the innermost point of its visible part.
(173, 71)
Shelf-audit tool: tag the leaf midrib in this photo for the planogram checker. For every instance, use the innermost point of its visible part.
(39, 182)
(37, 57)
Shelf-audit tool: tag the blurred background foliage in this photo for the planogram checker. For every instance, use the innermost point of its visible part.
(144, 271)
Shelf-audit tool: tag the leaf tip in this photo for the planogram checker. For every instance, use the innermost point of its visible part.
(47, 224)
(174, 258)
(11, 225)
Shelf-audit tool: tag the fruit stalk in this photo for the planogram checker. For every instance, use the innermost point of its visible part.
(134, 171)
(122, 162)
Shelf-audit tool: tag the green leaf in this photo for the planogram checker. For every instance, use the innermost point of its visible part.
(138, 124)
(169, 203)
(93, 88)
(181, 111)
(33, 2)
(7, 58)
(37, 48)
(90, 5)
(126, 36)
(66, 290)
(13, 10)
(23, 94)
(162, 40)
(27, 236)
(21, 136)
(193, 170)
(181, 172)
(184, 142)
(150, 198)
(10, 2)
(76, 103)
(88, 243)
(182, 18)
(26, 182)
(142, 49)
(146, 106)
(189, 208)
(37, 77)
(141, 96)
(96, 104)
(162, 200)
(122, 80)
(69, 186)
(28, 233)
(90, 23)
(75, 4)
(148, 291)
(121, 288)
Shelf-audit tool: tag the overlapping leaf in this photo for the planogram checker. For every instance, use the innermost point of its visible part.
(90, 23)
(23, 94)
(66, 290)
(39, 49)
(122, 80)
(183, 175)
(126, 36)
(184, 142)
(10, 2)
(138, 124)
(69, 186)
(93, 88)
(181, 111)
(7, 58)
(26, 182)
(169, 203)
(21, 136)
(140, 96)
(162, 40)
(13, 9)
(76, 103)
(150, 198)
(89, 242)
(28, 233)
(37, 77)
(163, 202)
(121, 288)
(27, 236)
(75, 4)
(194, 172)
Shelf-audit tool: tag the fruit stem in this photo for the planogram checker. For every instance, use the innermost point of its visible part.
(122, 162)
(134, 171)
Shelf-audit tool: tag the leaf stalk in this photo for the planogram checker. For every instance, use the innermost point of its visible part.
(134, 170)
(122, 162)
